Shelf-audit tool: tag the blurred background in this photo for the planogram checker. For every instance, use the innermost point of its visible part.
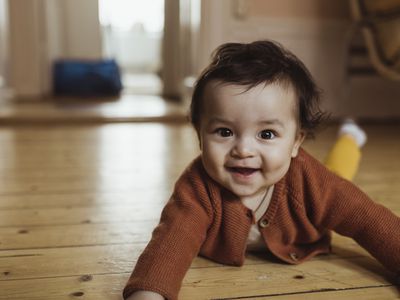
(161, 46)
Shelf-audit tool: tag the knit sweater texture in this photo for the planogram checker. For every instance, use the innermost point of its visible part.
(202, 218)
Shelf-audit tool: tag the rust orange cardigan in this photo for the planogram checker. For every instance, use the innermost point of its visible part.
(309, 201)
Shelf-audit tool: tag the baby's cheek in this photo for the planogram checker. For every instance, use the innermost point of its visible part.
(277, 165)
(273, 159)
(210, 162)
(216, 153)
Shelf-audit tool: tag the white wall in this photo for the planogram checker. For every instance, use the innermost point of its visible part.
(26, 42)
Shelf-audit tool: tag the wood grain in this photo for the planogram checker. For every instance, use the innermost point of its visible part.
(78, 205)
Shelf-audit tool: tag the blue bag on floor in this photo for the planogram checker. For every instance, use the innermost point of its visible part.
(86, 78)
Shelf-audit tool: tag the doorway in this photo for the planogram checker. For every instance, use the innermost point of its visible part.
(132, 32)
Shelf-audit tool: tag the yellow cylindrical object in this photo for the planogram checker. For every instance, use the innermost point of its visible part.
(344, 157)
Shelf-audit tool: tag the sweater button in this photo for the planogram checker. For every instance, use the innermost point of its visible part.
(249, 214)
(294, 256)
(264, 223)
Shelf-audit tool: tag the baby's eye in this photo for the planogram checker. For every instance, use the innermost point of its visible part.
(266, 135)
(224, 132)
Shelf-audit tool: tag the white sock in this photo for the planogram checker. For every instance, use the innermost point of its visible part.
(350, 127)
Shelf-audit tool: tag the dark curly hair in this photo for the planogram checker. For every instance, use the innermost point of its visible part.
(261, 62)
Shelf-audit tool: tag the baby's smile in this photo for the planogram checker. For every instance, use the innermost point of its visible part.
(242, 171)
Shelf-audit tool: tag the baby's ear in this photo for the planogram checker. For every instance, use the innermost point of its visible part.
(301, 135)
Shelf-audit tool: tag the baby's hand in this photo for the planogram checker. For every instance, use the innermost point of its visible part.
(145, 295)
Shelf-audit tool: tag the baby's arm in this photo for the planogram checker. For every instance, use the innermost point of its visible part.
(176, 240)
(350, 212)
(145, 295)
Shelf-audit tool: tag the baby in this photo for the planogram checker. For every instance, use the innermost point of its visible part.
(253, 187)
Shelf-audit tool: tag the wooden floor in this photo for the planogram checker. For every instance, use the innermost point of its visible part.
(124, 108)
(78, 204)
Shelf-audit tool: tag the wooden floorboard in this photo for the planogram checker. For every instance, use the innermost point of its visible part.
(71, 110)
(365, 293)
(216, 282)
(101, 259)
(78, 205)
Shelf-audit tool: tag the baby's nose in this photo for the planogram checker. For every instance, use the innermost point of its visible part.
(243, 148)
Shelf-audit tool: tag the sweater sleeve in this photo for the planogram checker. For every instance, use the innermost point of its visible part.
(175, 241)
(348, 211)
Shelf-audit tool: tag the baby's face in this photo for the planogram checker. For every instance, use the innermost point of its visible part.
(248, 138)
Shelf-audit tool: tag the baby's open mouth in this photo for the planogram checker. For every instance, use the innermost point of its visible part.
(242, 170)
